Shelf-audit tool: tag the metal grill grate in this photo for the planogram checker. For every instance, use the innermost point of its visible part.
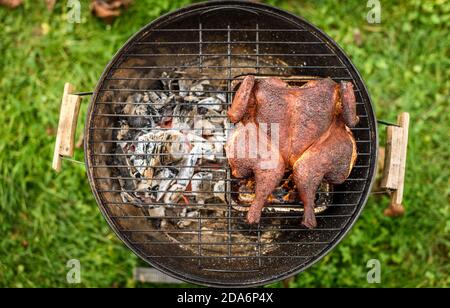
(219, 42)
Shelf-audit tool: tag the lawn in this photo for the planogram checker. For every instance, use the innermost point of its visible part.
(47, 218)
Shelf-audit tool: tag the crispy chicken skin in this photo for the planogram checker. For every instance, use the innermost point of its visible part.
(312, 138)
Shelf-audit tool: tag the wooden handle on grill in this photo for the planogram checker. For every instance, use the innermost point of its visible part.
(395, 163)
(65, 137)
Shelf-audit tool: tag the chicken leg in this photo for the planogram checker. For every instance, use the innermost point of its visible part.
(331, 158)
(246, 157)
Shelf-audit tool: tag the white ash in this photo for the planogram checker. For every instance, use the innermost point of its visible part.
(168, 135)
(213, 103)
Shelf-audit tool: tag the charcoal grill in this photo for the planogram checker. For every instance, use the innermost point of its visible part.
(219, 42)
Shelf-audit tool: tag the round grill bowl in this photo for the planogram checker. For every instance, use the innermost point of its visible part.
(219, 41)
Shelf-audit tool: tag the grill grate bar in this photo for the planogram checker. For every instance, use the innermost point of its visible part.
(234, 243)
(200, 60)
(191, 129)
(208, 168)
(167, 67)
(223, 218)
(283, 77)
(166, 91)
(233, 55)
(195, 205)
(155, 116)
(190, 193)
(152, 155)
(229, 100)
(176, 142)
(230, 43)
(231, 270)
(230, 257)
(199, 241)
(186, 179)
(163, 104)
(180, 104)
(229, 231)
(226, 29)
(205, 168)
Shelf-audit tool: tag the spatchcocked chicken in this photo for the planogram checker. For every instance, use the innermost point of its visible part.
(304, 128)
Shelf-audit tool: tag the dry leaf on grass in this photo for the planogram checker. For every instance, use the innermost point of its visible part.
(11, 3)
(50, 4)
(108, 9)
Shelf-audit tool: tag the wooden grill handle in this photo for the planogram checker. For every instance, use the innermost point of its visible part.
(395, 163)
(65, 137)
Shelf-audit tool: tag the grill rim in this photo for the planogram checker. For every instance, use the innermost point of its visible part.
(277, 12)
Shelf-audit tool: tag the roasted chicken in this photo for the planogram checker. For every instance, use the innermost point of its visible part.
(304, 128)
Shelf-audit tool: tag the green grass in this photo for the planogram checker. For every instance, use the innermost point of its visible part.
(47, 219)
